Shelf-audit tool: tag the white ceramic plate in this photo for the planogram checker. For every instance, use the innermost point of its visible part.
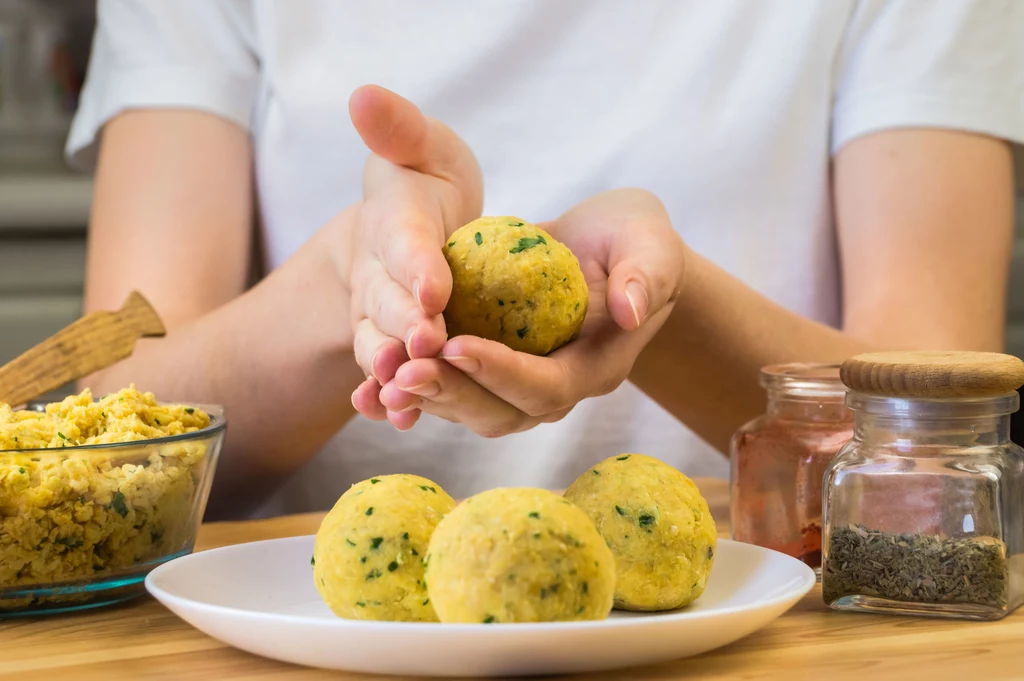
(260, 597)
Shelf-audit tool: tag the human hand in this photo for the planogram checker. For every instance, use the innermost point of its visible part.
(420, 184)
(632, 260)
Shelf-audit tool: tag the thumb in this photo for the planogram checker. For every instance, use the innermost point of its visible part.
(394, 128)
(642, 253)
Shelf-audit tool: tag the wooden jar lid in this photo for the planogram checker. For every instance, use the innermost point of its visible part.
(933, 374)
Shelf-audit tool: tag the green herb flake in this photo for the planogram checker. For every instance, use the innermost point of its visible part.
(405, 536)
(501, 303)
(528, 242)
(426, 602)
(450, 244)
(363, 559)
(544, 274)
(373, 574)
(522, 332)
(515, 224)
(489, 619)
(536, 535)
(21, 469)
(414, 552)
(361, 604)
(646, 519)
(579, 610)
(369, 511)
(711, 552)
(312, 560)
(350, 542)
(622, 458)
(118, 504)
(620, 510)
(479, 239)
(61, 435)
(392, 566)
(428, 488)
(157, 421)
(577, 307)
(585, 587)
(374, 481)
(596, 472)
(375, 542)
(188, 410)
(534, 514)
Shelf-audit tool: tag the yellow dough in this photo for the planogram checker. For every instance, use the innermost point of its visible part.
(513, 283)
(368, 555)
(519, 555)
(658, 526)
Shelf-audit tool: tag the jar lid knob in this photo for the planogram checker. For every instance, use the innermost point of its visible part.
(933, 373)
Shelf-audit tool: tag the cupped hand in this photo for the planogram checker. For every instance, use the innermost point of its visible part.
(420, 183)
(632, 260)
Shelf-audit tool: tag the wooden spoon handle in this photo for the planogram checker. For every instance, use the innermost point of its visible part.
(94, 342)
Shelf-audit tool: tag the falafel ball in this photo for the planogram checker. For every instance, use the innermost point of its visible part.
(659, 528)
(368, 555)
(512, 282)
(519, 555)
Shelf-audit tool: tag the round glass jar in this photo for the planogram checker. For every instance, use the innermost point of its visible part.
(778, 459)
(924, 507)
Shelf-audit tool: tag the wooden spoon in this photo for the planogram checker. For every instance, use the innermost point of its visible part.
(94, 342)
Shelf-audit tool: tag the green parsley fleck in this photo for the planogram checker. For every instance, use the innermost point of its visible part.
(350, 542)
(392, 566)
(369, 511)
(489, 619)
(585, 587)
(515, 224)
(373, 574)
(527, 242)
(157, 421)
(375, 542)
(711, 552)
(544, 274)
(361, 604)
(312, 560)
(363, 559)
(522, 332)
(428, 488)
(426, 602)
(118, 504)
(61, 435)
(21, 469)
(501, 303)
(70, 542)
(450, 244)
(479, 239)
(579, 610)
(577, 307)
(534, 514)
(536, 535)
(646, 519)
(620, 510)
(596, 472)
(414, 552)
(622, 458)
(405, 536)
(188, 410)
(374, 481)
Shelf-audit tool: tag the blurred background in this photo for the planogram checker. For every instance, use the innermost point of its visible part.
(44, 206)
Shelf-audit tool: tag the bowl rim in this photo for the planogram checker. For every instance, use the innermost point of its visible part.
(218, 423)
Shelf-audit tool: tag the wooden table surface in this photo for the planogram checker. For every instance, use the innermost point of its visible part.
(143, 640)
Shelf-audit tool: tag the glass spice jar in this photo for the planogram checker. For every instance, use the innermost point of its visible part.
(778, 459)
(924, 508)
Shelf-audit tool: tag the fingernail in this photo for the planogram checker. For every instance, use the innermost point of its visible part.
(637, 297)
(467, 365)
(409, 338)
(416, 292)
(373, 364)
(428, 389)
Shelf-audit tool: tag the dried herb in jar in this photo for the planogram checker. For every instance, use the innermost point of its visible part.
(914, 568)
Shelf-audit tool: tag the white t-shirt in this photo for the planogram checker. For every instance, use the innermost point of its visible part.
(728, 110)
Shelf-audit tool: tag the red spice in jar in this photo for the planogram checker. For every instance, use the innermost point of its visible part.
(779, 459)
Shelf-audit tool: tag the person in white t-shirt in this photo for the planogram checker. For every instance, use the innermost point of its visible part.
(830, 176)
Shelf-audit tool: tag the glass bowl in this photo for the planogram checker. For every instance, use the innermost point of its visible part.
(81, 527)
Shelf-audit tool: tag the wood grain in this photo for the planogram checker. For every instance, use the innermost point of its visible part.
(94, 342)
(143, 640)
(933, 374)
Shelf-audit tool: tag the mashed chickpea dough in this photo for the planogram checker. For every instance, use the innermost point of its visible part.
(512, 282)
(65, 515)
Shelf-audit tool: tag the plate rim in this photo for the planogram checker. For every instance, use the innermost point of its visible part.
(793, 595)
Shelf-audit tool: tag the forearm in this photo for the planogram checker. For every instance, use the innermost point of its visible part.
(703, 364)
(279, 358)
